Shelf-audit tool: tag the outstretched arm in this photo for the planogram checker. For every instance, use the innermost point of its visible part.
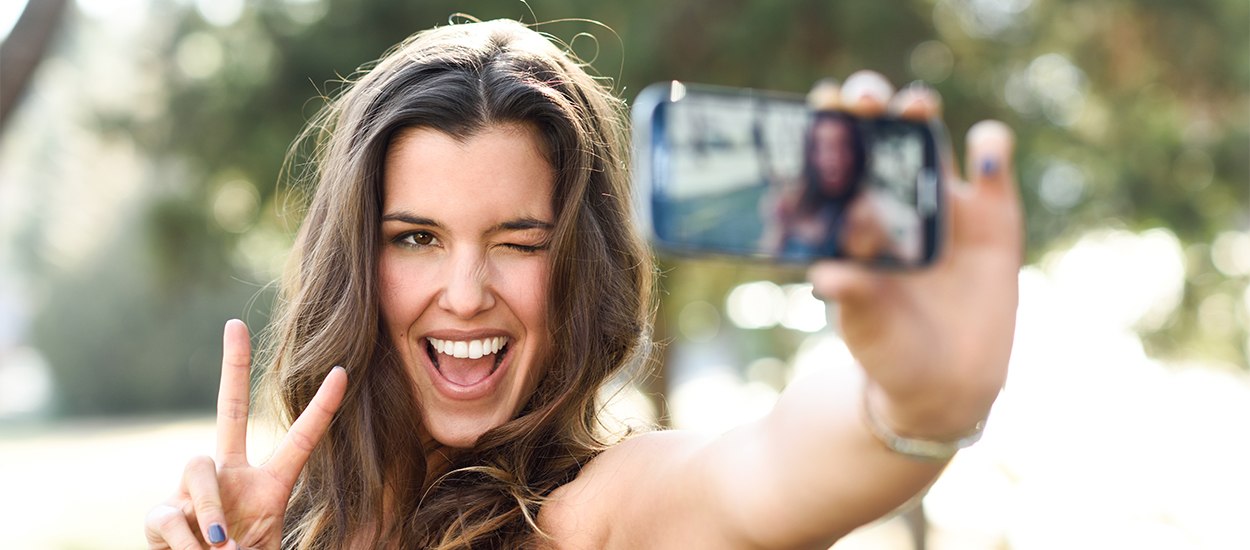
(933, 346)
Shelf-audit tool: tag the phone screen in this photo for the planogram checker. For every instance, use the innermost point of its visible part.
(725, 171)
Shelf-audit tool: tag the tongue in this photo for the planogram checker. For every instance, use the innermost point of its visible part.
(465, 372)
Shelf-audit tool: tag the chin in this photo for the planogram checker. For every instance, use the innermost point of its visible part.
(461, 433)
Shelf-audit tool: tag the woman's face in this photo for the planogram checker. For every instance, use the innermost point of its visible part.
(833, 155)
(464, 271)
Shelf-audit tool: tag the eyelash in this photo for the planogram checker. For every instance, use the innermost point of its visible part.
(526, 248)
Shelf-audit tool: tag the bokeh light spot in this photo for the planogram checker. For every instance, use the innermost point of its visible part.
(199, 55)
(1061, 186)
(932, 61)
(1216, 314)
(221, 13)
(235, 205)
(1230, 252)
(699, 321)
(1193, 169)
(803, 311)
(756, 305)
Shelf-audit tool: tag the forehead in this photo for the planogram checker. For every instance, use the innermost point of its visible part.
(501, 170)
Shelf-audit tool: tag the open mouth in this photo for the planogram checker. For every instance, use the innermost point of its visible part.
(467, 362)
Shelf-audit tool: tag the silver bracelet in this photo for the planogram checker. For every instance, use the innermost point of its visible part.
(921, 449)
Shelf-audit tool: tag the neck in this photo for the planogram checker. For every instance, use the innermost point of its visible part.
(438, 458)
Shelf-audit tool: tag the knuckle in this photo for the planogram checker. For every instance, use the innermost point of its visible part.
(233, 408)
(162, 519)
(320, 409)
(208, 509)
(201, 463)
(155, 517)
(237, 359)
(302, 440)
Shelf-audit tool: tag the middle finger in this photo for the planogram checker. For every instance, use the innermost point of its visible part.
(866, 94)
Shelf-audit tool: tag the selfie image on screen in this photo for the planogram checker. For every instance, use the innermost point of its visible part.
(749, 176)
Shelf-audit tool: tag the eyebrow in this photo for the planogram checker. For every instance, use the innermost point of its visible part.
(522, 224)
(519, 224)
(410, 219)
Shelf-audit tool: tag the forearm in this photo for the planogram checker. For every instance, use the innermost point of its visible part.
(810, 471)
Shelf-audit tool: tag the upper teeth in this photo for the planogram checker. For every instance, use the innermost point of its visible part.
(473, 349)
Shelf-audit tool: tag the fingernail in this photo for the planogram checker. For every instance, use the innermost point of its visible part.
(825, 94)
(216, 534)
(867, 85)
(989, 167)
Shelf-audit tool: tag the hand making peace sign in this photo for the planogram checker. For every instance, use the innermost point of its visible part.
(230, 503)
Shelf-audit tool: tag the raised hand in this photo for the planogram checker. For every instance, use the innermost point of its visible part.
(935, 342)
(229, 503)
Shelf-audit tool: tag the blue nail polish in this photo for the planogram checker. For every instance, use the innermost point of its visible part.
(989, 167)
(216, 534)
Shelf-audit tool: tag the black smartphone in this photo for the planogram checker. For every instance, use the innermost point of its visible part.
(750, 173)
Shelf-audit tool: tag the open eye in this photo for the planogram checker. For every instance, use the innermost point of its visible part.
(417, 239)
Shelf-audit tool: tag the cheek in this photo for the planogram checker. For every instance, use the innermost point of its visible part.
(524, 286)
(529, 291)
(541, 298)
(399, 294)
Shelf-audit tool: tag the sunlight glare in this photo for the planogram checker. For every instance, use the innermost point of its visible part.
(1123, 278)
(10, 12)
(122, 15)
(1092, 434)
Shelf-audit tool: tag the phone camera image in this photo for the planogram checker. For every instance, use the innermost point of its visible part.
(755, 174)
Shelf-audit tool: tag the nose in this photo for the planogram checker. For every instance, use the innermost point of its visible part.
(467, 288)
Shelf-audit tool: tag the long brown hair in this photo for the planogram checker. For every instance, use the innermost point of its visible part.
(458, 79)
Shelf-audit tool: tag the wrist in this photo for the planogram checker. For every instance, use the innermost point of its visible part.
(925, 433)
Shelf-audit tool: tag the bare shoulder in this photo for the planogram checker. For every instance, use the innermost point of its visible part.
(619, 489)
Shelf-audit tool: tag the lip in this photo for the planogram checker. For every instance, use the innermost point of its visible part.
(478, 390)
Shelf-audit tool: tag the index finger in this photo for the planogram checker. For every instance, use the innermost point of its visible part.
(289, 458)
(234, 396)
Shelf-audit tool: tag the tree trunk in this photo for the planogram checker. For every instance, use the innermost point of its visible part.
(24, 48)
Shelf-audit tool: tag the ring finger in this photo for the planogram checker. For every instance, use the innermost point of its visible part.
(200, 484)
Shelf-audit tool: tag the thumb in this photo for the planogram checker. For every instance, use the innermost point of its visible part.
(843, 282)
(987, 209)
(990, 145)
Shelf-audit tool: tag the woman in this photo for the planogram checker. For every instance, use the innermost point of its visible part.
(832, 178)
(468, 259)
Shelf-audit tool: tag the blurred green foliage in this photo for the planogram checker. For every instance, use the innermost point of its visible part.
(1146, 99)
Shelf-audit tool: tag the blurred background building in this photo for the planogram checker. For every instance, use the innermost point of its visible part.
(140, 207)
